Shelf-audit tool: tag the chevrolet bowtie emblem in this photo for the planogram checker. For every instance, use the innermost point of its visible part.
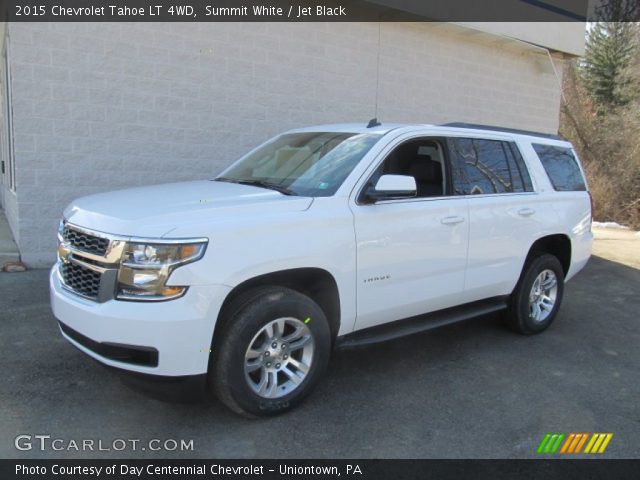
(63, 252)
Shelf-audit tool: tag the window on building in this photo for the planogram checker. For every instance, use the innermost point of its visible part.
(487, 166)
(561, 167)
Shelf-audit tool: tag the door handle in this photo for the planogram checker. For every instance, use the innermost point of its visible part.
(526, 212)
(451, 220)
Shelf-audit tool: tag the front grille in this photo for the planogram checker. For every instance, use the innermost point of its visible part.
(85, 242)
(81, 280)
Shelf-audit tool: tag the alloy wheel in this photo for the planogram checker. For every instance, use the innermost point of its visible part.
(542, 297)
(279, 357)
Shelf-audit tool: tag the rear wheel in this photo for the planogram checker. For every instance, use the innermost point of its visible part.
(273, 348)
(535, 302)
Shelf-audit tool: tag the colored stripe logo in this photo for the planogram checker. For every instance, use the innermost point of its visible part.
(574, 443)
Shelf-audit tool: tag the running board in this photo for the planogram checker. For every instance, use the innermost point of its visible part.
(421, 323)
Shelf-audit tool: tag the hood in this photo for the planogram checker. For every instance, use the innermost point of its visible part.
(155, 211)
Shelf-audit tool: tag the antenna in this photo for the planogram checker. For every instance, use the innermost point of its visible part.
(373, 123)
(375, 110)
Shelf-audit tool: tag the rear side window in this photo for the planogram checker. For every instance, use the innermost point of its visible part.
(561, 167)
(487, 166)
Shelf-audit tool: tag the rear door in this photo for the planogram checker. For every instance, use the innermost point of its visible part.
(504, 216)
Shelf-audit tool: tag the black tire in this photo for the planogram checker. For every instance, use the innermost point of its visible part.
(518, 317)
(242, 321)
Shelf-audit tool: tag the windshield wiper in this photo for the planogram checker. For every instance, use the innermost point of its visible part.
(257, 183)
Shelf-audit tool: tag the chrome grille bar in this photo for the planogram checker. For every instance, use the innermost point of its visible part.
(88, 262)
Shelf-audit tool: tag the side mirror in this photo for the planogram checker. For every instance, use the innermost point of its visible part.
(391, 187)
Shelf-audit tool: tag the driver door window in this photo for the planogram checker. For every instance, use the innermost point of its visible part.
(421, 159)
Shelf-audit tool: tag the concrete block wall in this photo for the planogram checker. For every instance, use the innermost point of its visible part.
(107, 106)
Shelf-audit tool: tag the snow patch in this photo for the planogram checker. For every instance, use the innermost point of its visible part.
(609, 225)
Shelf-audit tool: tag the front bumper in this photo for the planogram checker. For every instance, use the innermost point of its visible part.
(179, 330)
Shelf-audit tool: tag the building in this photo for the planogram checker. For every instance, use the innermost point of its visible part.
(89, 107)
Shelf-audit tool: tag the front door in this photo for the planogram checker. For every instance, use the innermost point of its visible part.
(411, 253)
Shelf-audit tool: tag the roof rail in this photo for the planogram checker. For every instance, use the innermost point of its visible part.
(500, 129)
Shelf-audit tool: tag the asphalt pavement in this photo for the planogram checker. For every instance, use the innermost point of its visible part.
(470, 390)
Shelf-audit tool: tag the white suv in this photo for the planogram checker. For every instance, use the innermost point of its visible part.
(327, 236)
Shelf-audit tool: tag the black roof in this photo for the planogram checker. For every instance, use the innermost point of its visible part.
(500, 129)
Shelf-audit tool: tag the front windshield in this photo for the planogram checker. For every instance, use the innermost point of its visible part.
(308, 164)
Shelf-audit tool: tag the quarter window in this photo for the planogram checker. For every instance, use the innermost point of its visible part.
(487, 166)
(561, 167)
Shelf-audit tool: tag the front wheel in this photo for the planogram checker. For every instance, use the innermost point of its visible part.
(273, 348)
(535, 302)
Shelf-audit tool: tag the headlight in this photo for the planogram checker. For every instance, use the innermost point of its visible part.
(145, 269)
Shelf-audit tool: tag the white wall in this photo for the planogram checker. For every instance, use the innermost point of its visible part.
(105, 106)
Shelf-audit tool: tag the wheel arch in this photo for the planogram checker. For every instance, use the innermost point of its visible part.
(316, 283)
(558, 245)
